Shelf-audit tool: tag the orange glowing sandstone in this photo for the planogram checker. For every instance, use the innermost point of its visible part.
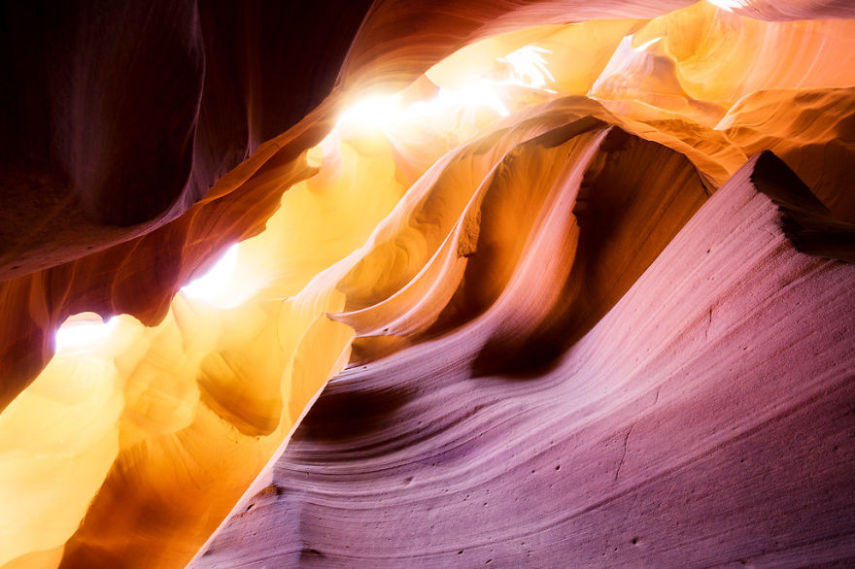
(131, 447)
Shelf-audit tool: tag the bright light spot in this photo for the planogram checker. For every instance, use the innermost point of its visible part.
(376, 112)
(643, 47)
(83, 332)
(315, 156)
(482, 93)
(729, 5)
(529, 67)
(526, 67)
(213, 285)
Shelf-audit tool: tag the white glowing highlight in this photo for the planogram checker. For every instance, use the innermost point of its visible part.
(529, 67)
(83, 332)
(643, 47)
(213, 286)
(482, 94)
(729, 5)
(526, 67)
(377, 111)
(386, 112)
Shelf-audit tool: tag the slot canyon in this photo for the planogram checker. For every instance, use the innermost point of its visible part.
(427, 284)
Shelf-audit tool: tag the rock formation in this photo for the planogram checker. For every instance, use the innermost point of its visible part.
(580, 273)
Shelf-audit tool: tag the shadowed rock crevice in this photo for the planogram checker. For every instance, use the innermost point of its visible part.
(507, 283)
(806, 222)
(740, 420)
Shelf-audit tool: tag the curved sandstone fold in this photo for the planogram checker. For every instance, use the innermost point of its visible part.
(788, 123)
(684, 429)
(577, 268)
(246, 106)
(806, 222)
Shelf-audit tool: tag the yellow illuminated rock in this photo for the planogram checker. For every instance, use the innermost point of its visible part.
(173, 422)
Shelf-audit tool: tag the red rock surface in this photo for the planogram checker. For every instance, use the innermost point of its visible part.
(610, 326)
(122, 176)
(203, 92)
(706, 420)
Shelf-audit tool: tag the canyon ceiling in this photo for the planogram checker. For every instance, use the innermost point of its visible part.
(447, 283)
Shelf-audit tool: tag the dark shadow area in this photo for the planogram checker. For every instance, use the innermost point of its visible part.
(806, 222)
(344, 412)
(627, 214)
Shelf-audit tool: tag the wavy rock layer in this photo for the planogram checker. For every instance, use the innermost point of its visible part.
(515, 247)
(119, 180)
(706, 420)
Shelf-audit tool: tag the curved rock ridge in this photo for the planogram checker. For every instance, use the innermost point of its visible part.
(796, 126)
(465, 273)
(61, 262)
(685, 429)
(236, 137)
(795, 10)
(553, 234)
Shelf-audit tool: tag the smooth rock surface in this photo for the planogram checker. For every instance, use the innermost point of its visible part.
(496, 217)
(706, 420)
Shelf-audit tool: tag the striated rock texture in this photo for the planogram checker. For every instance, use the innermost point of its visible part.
(705, 421)
(579, 270)
(230, 93)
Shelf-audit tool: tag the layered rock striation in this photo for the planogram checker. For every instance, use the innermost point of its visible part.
(579, 271)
